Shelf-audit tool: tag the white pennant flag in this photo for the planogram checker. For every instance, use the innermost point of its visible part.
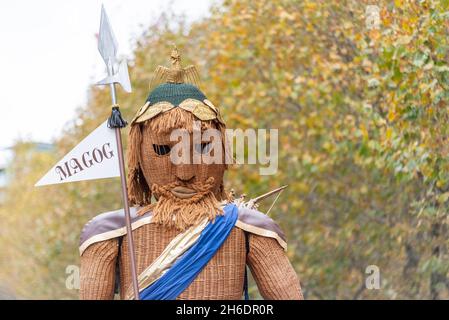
(95, 157)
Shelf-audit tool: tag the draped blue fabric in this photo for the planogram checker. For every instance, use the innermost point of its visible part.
(189, 265)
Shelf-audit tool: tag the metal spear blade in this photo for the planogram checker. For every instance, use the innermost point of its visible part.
(107, 44)
(121, 77)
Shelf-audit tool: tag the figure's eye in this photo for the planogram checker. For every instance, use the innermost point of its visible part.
(161, 149)
(203, 147)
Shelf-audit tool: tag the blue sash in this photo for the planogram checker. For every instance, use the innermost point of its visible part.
(190, 264)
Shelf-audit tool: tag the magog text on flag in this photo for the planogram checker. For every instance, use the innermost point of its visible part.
(87, 159)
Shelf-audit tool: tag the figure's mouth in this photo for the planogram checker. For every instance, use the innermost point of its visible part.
(183, 192)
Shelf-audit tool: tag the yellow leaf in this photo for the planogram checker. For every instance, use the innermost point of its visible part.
(391, 115)
(398, 3)
(389, 133)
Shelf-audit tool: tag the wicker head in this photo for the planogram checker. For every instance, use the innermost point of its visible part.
(171, 106)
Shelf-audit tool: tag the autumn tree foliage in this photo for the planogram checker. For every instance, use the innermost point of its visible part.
(362, 115)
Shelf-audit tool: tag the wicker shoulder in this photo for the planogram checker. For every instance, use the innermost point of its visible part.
(258, 223)
(109, 225)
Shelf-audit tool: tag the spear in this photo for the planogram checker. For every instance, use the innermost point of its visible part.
(107, 45)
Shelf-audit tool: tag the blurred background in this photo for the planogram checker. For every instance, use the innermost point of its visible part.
(357, 89)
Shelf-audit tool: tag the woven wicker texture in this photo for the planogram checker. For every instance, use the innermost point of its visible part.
(222, 278)
(160, 170)
(275, 277)
(146, 167)
(97, 274)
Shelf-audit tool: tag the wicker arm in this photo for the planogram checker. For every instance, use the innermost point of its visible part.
(273, 272)
(97, 275)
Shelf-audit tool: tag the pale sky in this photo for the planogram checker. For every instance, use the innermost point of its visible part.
(49, 57)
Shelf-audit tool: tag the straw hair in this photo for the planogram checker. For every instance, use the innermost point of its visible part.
(178, 118)
(138, 190)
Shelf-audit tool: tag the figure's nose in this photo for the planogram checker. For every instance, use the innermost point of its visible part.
(185, 172)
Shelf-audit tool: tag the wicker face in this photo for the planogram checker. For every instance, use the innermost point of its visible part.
(158, 168)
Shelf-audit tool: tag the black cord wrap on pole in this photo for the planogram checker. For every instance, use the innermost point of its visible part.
(116, 120)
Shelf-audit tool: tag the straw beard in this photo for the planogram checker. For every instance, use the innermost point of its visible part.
(172, 211)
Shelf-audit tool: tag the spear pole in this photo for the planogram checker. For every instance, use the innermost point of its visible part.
(132, 257)
(107, 46)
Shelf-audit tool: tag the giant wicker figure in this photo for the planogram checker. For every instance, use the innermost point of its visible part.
(193, 242)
